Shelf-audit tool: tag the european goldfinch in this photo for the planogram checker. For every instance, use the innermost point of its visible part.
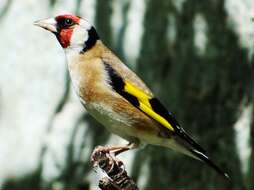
(114, 95)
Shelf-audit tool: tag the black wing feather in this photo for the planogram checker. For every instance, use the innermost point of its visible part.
(161, 110)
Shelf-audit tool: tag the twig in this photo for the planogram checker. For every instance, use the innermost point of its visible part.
(117, 176)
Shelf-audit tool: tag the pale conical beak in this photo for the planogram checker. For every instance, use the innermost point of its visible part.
(48, 24)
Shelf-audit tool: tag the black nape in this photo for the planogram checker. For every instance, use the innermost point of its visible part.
(92, 38)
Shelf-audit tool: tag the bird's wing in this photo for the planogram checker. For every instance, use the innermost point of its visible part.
(148, 104)
(152, 107)
(129, 86)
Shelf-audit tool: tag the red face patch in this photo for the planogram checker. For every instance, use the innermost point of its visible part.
(65, 37)
(65, 26)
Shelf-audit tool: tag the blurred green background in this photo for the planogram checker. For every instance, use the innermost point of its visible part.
(197, 56)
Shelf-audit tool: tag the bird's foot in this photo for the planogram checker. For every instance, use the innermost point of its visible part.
(105, 153)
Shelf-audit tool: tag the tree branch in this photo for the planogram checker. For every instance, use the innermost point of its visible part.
(117, 176)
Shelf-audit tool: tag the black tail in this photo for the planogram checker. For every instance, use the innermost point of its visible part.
(209, 162)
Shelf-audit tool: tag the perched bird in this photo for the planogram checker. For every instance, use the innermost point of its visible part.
(114, 95)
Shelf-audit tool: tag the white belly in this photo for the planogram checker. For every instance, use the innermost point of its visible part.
(114, 122)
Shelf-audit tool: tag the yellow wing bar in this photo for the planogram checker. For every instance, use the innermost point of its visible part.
(139, 94)
(145, 105)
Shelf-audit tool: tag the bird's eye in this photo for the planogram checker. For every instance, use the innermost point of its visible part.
(68, 22)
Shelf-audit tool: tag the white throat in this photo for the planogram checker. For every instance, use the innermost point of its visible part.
(72, 56)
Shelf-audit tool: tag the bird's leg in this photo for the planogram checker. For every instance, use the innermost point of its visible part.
(115, 149)
(112, 151)
(122, 149)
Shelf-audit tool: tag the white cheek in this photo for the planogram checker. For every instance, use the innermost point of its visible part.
(80, 35)
(78, 38)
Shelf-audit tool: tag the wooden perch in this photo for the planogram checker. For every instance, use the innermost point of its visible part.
(117, 176)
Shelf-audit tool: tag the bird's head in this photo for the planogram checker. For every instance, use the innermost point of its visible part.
(71, 31)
